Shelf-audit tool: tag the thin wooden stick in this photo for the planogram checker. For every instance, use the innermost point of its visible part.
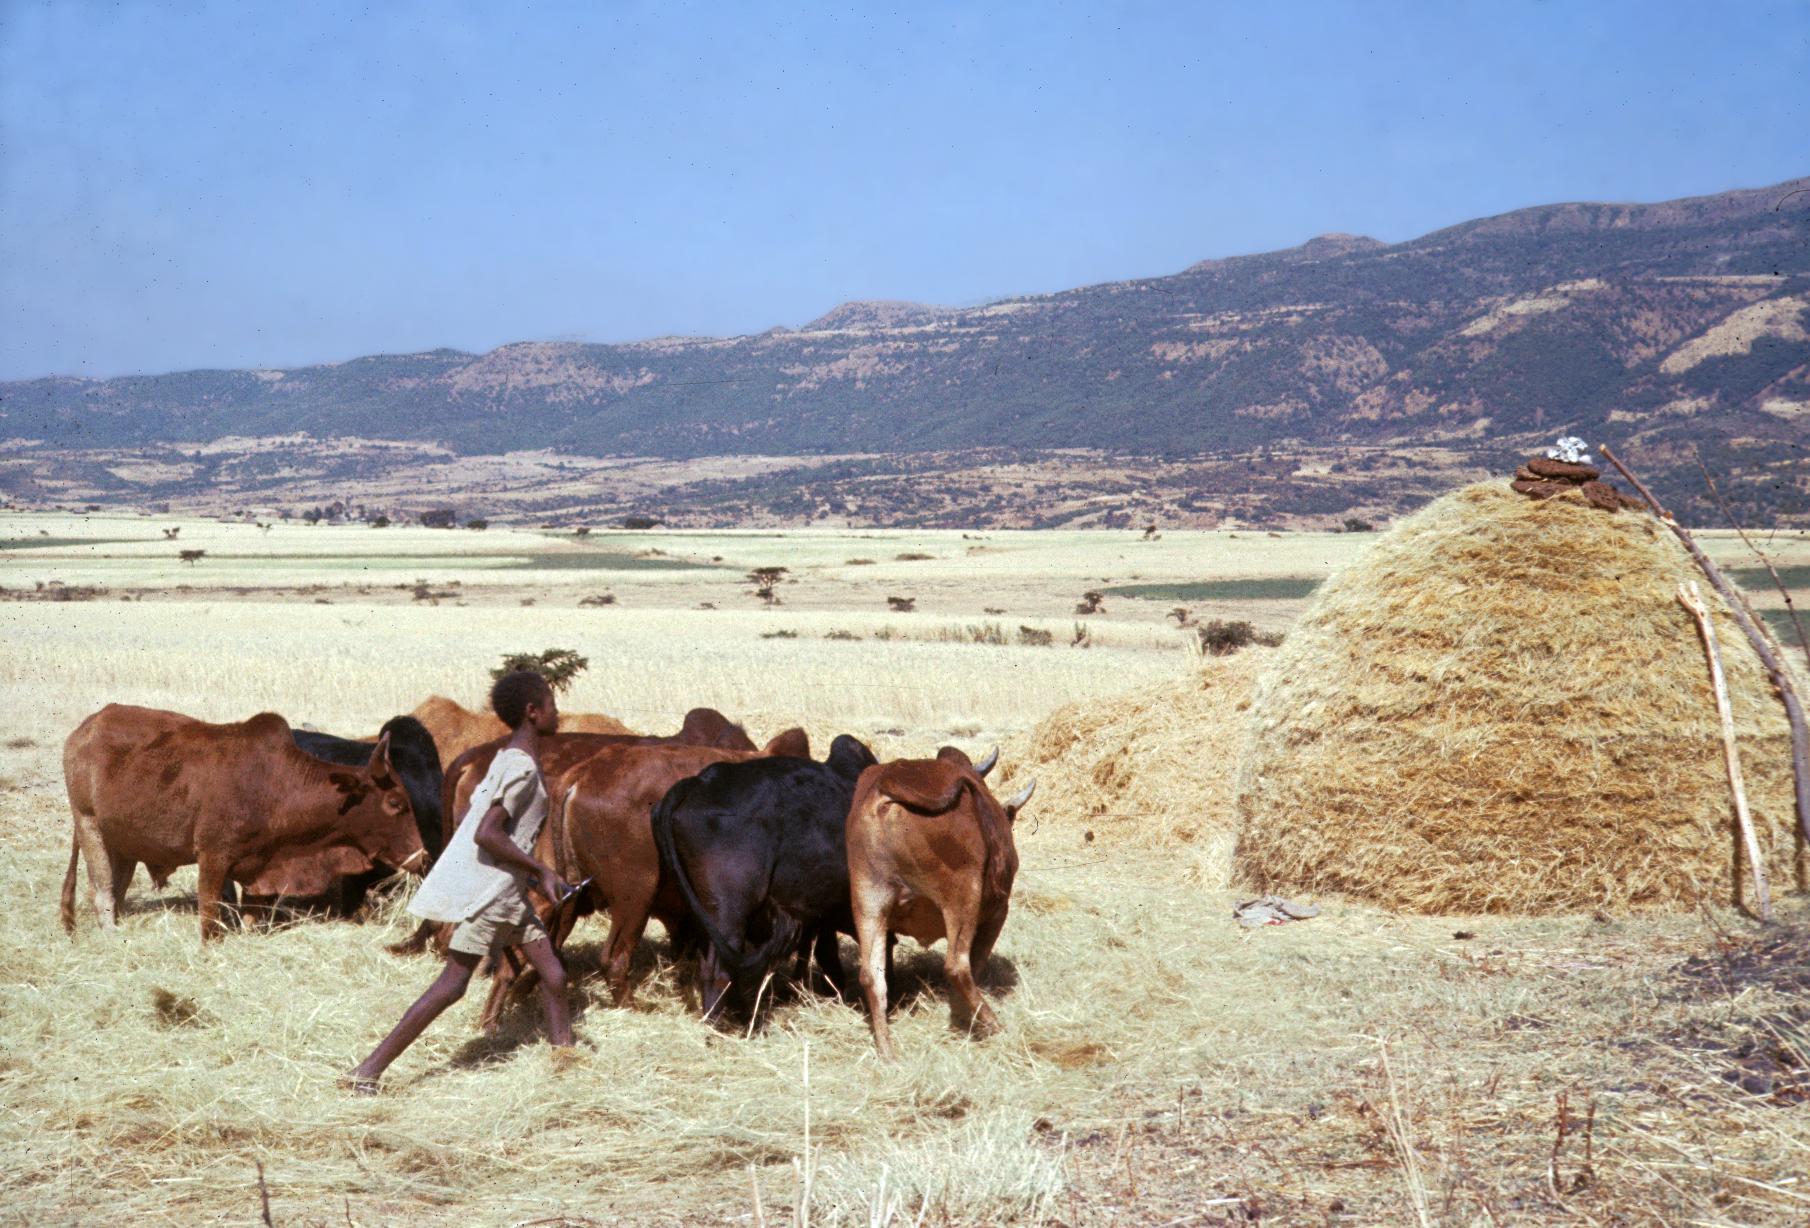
(1794, 710)
(1691, 598)
(1777, 580)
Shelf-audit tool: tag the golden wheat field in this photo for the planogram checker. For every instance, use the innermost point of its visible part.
(1158, 1064)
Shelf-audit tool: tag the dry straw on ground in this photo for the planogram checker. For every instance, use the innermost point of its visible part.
(1502, 707)
(1152, 768)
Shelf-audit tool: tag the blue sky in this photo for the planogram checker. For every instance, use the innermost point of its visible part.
(236, 185)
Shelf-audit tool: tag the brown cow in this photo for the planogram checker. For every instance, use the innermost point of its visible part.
(930, 855)
(241, 801)
(456, 728)
(599, 829)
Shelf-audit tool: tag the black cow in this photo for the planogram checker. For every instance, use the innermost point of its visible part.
(759, 850)
(416, 761)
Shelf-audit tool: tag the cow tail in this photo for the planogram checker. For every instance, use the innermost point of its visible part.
(669, 855)
(75, 855)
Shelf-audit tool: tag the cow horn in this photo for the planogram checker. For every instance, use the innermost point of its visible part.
(1022, 796)
(986, 765)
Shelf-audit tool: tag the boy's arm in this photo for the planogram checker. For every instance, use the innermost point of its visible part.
(492, 836)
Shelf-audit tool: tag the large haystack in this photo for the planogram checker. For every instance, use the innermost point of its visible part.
(1152, 768)
(1501, 707)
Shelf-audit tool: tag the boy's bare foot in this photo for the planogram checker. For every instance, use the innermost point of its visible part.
(357, 1084)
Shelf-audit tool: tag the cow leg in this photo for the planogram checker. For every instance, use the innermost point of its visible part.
(873, 914)
(829, 960)
(508, 974)
(100, 871)
(122, 868)
(986, 935)
(714, 982)
(968, 1010)
(628, 920)
(209, 888)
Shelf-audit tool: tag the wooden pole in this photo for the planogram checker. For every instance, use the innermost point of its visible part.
(1794, 710)
(1692, 599)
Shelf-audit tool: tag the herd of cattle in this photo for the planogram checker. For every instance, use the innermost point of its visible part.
(748, 855)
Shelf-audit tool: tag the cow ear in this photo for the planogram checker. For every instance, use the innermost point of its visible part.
(380, 763)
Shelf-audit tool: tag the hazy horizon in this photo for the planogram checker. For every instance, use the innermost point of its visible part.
(191, 188)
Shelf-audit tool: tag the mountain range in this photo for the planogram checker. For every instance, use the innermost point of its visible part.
(1666, 327)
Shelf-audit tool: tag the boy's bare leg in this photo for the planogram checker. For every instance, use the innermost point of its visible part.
(545, 961)
(447, 988)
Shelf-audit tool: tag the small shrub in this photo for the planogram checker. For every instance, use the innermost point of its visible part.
(641, 522)
(477, 522)
(840, 634)
(583, 530)
(885, 634)
(766, 582)
(1181, 616)
(912, 556)
(377, 522)
(781, 634)
(995, 610)
(170, 535)
(1355, 525)
(1084, 638)
(1034, 637)
(973, 633)
(1092, 602)
(1220, 638)
(597, 599)
(191, 557)
(902, 605)
(859, 563)
(559, 666)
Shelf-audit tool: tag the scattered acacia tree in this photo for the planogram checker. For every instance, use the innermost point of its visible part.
(380, 522)
(1091, 602)
(191, 557)
(477, 522)
(439, 518)
(1150, 533)
(902, 605)
(1181, 615)
(559, 666)
(766, 582)
(170, 535)
(1355, 525)
(583, 530)
(641, 522)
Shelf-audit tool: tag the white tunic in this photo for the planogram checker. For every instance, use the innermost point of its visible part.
(466, 879)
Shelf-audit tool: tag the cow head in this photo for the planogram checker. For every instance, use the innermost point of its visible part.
(849, 756)
(376, 801)
(792, 744)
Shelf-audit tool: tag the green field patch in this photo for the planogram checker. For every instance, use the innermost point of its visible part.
(1758, 579)
(1269, 588)
(600, 560)
(63, 543)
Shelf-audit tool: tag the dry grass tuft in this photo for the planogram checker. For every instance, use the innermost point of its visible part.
(1151, 768)
(1501, 707)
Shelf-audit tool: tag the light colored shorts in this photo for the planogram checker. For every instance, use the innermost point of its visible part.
(508, 922)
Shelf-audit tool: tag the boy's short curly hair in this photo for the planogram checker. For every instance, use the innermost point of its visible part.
(512, 694)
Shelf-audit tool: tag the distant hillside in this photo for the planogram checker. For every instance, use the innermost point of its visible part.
(1686, 322)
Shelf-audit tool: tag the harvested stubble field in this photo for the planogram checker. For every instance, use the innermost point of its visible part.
(1158, 1065)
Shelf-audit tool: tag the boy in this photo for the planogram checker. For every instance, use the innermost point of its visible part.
(481, 880)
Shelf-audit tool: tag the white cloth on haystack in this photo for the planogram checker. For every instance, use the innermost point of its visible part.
(1272, 910)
